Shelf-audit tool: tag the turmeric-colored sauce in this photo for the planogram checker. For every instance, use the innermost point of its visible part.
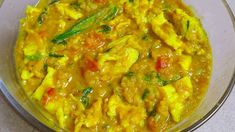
(113, 65)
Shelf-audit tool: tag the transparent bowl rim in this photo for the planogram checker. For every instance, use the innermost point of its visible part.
(39, 125)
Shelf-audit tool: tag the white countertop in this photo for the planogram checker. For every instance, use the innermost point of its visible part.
(222, 121)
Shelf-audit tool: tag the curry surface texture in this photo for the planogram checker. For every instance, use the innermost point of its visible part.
(113, 65)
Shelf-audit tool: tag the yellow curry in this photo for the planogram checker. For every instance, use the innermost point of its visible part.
(113, 65)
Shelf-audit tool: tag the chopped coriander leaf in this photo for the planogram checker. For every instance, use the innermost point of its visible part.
(145, 37)
(153, 112)
(160, 81)
(148, 77)
(129, 74)
(87, 91)
(41, 16)
(149, 55)
(45, 66)
(84, 99)
(188, 24)
(76, 5)
(55, 55)
(35, 57)
(176, 78)
(145, 94)
(105, 28)
(53, 2)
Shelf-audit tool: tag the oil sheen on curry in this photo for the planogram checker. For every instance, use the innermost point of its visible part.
(113, 65)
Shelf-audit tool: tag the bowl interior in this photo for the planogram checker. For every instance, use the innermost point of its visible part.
(215, 17)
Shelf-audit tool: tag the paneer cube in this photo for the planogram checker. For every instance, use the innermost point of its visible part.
(165, 30)
(185, 61)
(47, 82)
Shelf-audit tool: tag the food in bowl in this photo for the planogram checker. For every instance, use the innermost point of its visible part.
(108, 65)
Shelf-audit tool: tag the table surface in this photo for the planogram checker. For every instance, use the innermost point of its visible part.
(222, 121)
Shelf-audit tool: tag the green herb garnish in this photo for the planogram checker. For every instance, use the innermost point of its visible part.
(86, 23)
(55, 55)
(153, 112)
(129, 74)
(148, 77)
(53, 2)
(76, 5)
(106, 28)
(35, 57)
(41, 16)
(85, 99)
(187, 26)
(145, 94)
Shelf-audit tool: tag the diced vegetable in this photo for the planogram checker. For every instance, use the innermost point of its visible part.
(41, 18)
(52, 106)
(162, 62)
(175, 96)
(94, 114)
(185, 61)
(30, 49)
(34, 49)
(91, 65)
(188, 26)
(114, 101)
(177, 111)
(51, 92)
(165, 31)
(66, 10)
(119, 58)
(118, 108)
(32, 13)
(47, 82)
(63, 60)
(25, 75)
(184, 87)
(119, 42)
(88, 22)
(60, 117)
(106, 60)
(170, 95)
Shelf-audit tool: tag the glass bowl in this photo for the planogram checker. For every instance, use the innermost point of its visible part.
(217, 19)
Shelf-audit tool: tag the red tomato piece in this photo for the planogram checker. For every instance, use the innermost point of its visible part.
(162, 62)
(91, 65)
(51, 92)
